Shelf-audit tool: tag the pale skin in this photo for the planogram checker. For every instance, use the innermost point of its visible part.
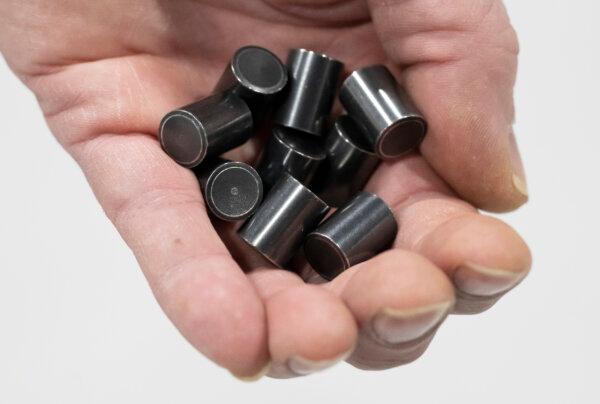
(105, 72)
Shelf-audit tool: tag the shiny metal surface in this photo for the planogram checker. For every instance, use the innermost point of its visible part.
(349, 164)
(314, 78)
(232, 190)
(206, 128)
(289, 212)
(257, 76)
(353, 234)
(292, 152)
(375, 100)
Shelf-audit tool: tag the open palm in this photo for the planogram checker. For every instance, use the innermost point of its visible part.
(106, 72)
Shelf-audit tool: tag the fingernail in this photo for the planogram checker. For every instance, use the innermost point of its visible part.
(520, 185)
(302, 366)
(479, 280)
(395, 326)
(249, 379)
(519, 181)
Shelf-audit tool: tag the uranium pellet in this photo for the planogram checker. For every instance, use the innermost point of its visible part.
(314, 78)
(358, 231)
(257, 76)
(374, 99)
(232, 190)
(290, 151)
(288, 213)
(205, 129)
(349, 164)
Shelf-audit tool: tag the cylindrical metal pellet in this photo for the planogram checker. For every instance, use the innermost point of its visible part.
(353, 234)
(314, 78)
(255, 75)
(292, 152)
(349, 164)
(375, 100)
(232, 190)
(289, 212)
(206, 128)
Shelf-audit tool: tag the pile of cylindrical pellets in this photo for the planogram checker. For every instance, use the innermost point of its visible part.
(310, 163)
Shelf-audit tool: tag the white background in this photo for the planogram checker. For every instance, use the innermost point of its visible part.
(79, 325)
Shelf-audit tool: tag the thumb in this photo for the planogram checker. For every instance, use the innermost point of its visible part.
(458, 61)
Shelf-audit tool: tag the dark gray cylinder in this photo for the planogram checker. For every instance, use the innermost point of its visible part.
(314, 78)
(374, 99)
(232, 190)
(292, 152)
(257, 76)
(353, 234)
(349, 164)
(206, 128)
(289, 212)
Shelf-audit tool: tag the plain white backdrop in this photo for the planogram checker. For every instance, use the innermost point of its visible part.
(79, 324)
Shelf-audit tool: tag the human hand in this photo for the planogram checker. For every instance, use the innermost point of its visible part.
(105, 74)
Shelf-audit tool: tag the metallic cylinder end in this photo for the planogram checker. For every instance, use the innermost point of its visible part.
(183, 138)
(401, 138)
(254, 74)
(259, 70)
(232, 190)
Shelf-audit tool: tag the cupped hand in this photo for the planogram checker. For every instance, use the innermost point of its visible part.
(106, 72)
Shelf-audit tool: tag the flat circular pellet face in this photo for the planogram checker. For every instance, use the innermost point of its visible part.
(401, 138)
(234, 192)
(260, 70)
(182, 137)
(324, 256)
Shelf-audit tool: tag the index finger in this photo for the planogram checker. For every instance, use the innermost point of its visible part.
(157, 208)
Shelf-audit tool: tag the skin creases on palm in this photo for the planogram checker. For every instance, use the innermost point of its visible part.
(104, 77)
